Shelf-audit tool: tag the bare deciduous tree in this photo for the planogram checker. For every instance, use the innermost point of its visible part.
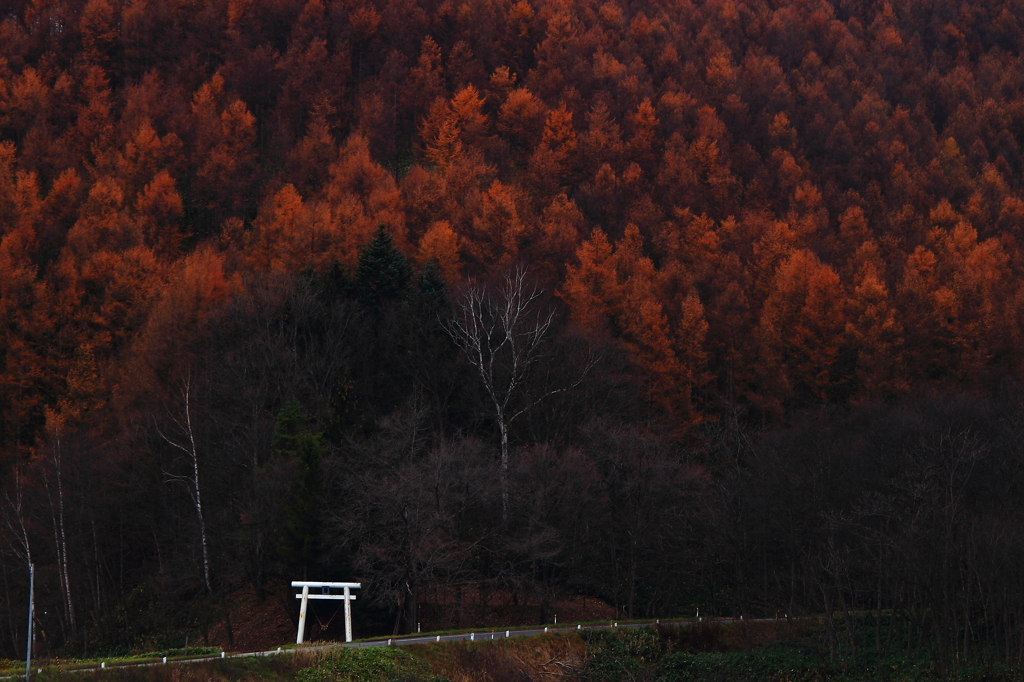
(403, 511)
(14, 513)
(56, 500)
(186, 443)
(14, 518)
(502, 334)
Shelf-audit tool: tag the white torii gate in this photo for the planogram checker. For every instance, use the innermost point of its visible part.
(306, 596)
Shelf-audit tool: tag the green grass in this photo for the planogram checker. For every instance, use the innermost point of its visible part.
(622, 654)
(707, 652)
(9, 668)
(778, 663)
(716, 653)
(249, 669)
(374, 664)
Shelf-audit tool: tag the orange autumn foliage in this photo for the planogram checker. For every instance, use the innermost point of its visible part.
(691, 193)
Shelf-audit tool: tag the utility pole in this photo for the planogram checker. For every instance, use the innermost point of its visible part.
(31, 604)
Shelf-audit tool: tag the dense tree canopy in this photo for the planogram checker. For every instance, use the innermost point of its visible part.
(733, 213)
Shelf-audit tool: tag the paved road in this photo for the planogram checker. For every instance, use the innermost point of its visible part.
(489, 635)
(482, 636)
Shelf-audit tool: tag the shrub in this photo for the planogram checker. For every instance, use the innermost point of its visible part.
(372, 664)
(622, 654)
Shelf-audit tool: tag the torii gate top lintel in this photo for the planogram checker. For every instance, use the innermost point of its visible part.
(306, 596)
(310, 583)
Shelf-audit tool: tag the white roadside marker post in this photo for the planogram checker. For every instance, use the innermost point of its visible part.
(306, 596)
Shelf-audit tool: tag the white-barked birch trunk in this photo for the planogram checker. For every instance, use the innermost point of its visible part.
(186, 443)
(60, 537)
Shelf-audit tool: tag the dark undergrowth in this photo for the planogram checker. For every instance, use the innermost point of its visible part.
(763, 652)
(251, 669)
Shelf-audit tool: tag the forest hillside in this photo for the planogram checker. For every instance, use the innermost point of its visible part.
(673, 304)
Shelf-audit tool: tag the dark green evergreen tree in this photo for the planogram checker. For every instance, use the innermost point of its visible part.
(430, 358)
(381, 287)
(333, 285)
(383, 275)
(431, 296)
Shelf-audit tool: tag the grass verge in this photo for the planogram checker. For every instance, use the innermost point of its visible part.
(706, 652)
